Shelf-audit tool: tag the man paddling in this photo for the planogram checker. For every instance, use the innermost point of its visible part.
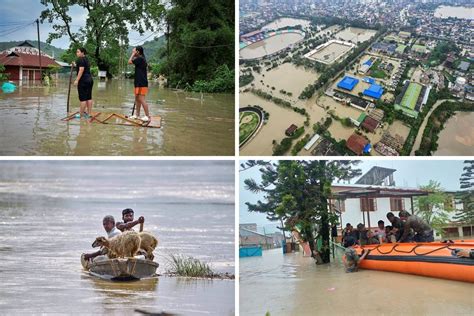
(128, 222)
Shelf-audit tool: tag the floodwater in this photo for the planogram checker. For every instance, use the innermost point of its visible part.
(51, 211)
(457, 137)
(288, 77)
(457, 12)
(269, 45)
(285, 22)
(30, 122)
(355, 34)
(293, 285)
(280, 119)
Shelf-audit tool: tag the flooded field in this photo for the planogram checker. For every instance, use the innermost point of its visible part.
(457, 12)
(293, 285)
(285, 22)
(457, 137)
(355, 34)
(52, 211)
(288, 77)
(30, 122)
(280, 119)
(269, 45)
(329, 53)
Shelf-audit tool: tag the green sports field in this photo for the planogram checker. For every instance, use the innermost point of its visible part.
(248, 124)
(411, 96)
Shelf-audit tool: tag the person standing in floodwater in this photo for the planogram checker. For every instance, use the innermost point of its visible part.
(84, 82)
(141, 82)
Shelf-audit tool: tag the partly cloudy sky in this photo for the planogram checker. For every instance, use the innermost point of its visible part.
(16, 14)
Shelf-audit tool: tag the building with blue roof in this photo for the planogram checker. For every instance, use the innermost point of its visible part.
(374, 91)
(348, 83)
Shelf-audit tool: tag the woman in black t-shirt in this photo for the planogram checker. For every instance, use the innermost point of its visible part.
(141, 82)
(84, 82)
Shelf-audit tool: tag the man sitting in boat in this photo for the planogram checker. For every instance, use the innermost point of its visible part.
(397, 226)
(351, 258)
(109, 225)
(380, 231)
(348, 232)
(128, 222)
(365, 236)
(423, 232)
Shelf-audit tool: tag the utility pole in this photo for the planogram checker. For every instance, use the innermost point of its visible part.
(168, 48)
(39, 49)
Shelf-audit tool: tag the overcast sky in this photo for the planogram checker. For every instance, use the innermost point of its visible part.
(409, 174)
(14, 12)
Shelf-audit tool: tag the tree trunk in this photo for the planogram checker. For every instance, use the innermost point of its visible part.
(324, 229)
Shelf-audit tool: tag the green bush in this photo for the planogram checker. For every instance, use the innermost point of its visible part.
(223, 81)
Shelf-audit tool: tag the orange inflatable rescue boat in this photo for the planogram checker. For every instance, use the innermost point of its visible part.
(433, 259)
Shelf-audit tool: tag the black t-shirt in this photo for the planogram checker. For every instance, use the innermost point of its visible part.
(84, 62)
(141, 79)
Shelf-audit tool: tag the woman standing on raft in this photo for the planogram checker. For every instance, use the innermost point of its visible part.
(141, 82)
(84, 83)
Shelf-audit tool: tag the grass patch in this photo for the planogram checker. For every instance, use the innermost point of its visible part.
(376, 72)
(189, 267)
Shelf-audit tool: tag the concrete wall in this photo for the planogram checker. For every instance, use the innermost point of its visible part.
(353, 213)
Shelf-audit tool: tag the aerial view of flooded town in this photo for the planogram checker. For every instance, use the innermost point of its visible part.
(367, 77)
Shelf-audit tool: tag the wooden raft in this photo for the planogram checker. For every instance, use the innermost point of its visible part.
(119, 119)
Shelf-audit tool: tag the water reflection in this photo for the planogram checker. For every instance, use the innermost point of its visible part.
(31, 122)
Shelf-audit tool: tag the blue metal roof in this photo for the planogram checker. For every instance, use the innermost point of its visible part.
(348, 83)
(374, 91)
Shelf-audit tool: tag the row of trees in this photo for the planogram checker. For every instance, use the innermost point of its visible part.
(199, 47)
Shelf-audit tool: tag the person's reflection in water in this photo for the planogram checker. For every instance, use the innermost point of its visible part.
(83, 141)
(140, 140)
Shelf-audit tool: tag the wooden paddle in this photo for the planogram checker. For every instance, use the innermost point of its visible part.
(69, 89)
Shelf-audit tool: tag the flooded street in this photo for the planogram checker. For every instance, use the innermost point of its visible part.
(30, 122)
(293, 285)
(51, 211)
(457, 137)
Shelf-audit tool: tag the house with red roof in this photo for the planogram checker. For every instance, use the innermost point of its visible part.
(22, 62)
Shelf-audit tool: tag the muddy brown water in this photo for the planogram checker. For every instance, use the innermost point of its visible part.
(51, 211)
(193, 124)
(293, 285)
(457, 137)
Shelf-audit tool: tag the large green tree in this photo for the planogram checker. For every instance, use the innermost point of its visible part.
(201, 40)
(107, 26)
(466, 196)
(297, 192)
(434, 208)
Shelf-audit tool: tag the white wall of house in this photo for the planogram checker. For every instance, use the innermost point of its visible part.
(353, 212)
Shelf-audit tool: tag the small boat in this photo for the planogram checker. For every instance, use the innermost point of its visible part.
(128, 269)
(433, 259)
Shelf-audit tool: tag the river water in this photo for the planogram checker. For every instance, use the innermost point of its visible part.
(457, 12)
(293, 285)
(457, 137)
(51, 211)
(30, 122)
